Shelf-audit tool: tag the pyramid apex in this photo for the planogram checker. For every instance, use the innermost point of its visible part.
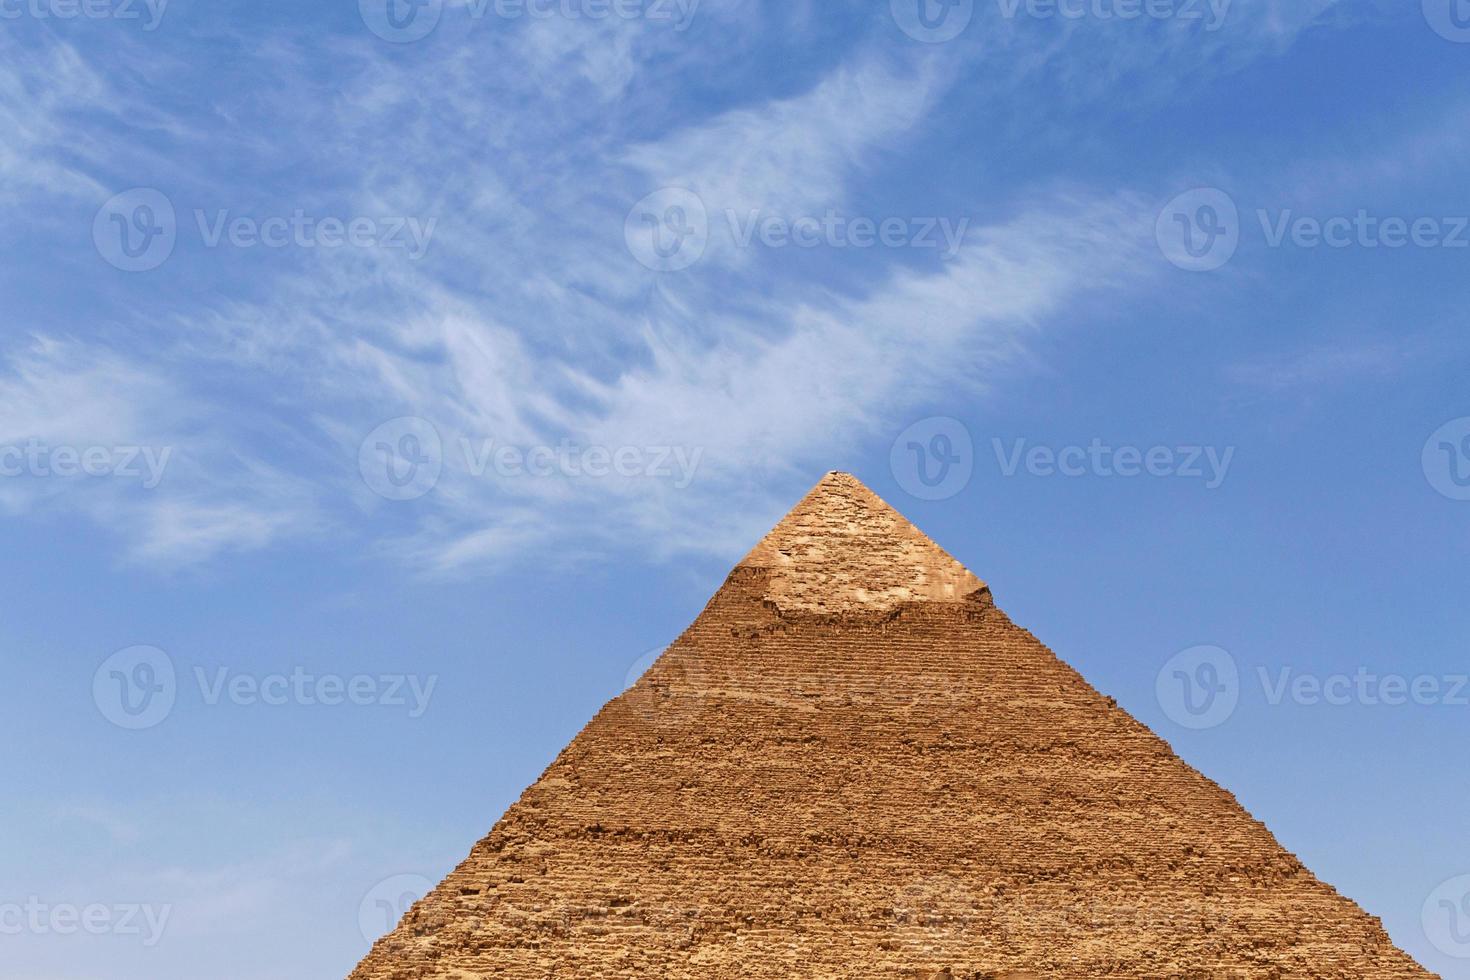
(842, 548)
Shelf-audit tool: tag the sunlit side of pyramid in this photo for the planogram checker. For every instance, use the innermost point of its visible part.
(854, 765)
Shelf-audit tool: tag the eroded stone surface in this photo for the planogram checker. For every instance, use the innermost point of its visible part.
(852, 765)
(842, 549)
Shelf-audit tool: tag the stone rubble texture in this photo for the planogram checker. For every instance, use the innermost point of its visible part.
(854, 765)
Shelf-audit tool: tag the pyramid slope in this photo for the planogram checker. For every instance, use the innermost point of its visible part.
(837, 776)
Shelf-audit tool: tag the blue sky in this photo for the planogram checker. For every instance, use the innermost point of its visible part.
(376, 394)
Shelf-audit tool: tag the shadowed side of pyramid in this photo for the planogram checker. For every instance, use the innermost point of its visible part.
(852, 764)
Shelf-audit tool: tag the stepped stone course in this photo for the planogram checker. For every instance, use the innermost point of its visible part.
(853, 765)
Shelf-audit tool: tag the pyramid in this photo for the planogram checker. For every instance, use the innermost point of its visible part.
(854, 765)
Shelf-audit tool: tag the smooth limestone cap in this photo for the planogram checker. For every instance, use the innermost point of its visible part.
(844, 549)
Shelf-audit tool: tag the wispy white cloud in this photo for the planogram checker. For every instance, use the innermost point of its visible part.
(1317, 367)
(796, 154)
(203, 878)
(756, 381)
(117, 826)
(64, 391)
(530, 323)
(1045, 68)
(43, 91)
(176, 486)
(788, 402)
(1314, 370)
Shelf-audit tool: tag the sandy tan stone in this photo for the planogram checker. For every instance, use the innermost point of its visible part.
(853, 765)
